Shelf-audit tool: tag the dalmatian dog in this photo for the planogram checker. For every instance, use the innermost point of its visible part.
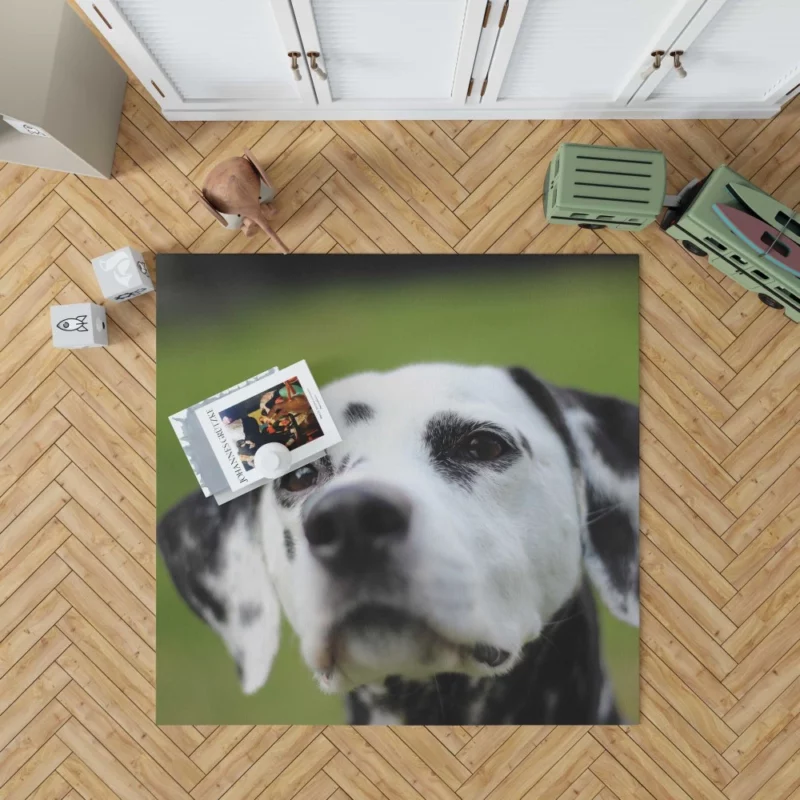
(436, 564)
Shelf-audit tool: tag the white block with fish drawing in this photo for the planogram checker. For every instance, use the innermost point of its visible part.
(78, 325)
(122, 274)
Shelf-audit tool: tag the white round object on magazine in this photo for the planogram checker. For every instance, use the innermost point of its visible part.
(272, 460)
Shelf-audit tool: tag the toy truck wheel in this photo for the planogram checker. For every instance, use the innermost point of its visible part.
(770, 301)
(592, 226)
(693, 248)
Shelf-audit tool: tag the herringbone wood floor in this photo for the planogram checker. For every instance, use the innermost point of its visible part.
(720, 376)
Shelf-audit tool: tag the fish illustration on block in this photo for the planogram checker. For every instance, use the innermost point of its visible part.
(763, 238)
(769, 209)
(77, 324)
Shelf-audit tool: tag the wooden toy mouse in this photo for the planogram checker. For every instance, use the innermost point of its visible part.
(233, 188)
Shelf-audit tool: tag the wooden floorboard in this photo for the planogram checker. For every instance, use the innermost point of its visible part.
(720, 377)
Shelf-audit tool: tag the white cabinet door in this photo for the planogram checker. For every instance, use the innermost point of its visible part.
(579, 54)
(390, 54)
(208, 54)
(735, 51)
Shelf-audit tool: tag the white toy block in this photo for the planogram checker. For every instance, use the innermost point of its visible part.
(78, 325)
(122, 274)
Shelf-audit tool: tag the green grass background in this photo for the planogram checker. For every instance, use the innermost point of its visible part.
(576, 325)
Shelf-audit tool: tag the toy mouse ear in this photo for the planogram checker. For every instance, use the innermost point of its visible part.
(257, 167)
(213, 211)
(217, 563)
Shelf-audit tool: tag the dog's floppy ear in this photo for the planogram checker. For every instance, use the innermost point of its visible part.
(217, 564)
(601, 437)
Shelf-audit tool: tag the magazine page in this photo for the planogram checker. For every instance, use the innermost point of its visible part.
(197, 447)
(284, 408)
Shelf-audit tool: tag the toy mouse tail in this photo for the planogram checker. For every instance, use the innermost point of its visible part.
(267, 228)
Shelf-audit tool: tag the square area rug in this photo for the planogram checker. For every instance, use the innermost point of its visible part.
(467, 553)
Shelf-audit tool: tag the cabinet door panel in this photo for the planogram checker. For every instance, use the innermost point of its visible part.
(391, 52)
(748, 51)
(580, 51)
(207, 53)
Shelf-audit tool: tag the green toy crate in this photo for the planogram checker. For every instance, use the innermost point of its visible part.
(703, 233)
(605, 187)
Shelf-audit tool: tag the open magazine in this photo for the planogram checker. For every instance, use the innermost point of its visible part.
(222, 434)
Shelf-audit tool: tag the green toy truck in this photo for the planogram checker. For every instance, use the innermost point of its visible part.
(609, 187)
(700, 230)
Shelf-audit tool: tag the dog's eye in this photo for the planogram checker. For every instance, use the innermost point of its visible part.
(300, 479)
(480, 446)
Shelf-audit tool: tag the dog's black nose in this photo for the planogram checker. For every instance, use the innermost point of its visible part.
(353, 525)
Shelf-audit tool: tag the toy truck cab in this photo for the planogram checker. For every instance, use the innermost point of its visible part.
(702, 232)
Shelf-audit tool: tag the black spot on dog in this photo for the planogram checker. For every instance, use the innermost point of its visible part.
(526, 445)
(249, 613)
(190, 537)
(557, 680)
(288, 543)
(449, 696)
(610, 536)
(544, 399)
(343, 464)
(358, 412)
(615, 428)
(358, 711)
(208, 602)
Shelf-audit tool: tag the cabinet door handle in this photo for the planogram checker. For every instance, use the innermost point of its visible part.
(657, 55)
(321, 74)
(295, 66)
(676, 60)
